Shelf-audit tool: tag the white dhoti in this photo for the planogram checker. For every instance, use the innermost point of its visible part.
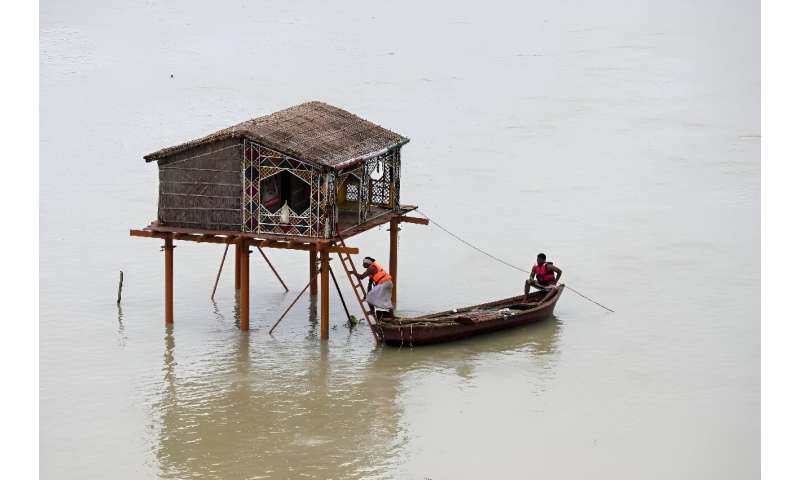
(381, 296)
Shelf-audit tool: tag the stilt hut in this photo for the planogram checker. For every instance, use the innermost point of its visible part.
(305, 178)
(308, 171)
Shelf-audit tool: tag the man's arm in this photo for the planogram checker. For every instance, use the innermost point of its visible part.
(558, 271)
(362, 276)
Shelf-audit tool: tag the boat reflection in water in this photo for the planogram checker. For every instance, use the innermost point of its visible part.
(249, 407)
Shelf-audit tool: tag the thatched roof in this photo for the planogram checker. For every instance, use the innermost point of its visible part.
(314, 131)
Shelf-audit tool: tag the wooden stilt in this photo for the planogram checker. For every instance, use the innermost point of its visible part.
(168, 247)
(238, 274)
(393, 230)
(244, 292)
(323, 300)
(312, 270)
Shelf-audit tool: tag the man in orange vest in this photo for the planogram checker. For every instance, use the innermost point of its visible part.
(544, 275)
(379, 290)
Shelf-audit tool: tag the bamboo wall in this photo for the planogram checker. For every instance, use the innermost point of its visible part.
(202, 188)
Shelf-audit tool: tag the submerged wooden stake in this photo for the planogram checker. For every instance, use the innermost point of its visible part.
(238, 273)
(244, 292)
(119, 289)
(168, 317)
(323, 299)
(393, 229)
(312, 270)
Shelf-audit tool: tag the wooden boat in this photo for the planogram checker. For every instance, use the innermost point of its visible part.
(469, 321)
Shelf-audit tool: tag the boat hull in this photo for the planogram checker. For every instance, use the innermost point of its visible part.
(417, 332)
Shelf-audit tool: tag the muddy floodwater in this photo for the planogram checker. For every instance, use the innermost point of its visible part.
(621, 138)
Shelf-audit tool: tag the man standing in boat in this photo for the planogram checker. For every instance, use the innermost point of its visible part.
(544, 275)
(379, 290)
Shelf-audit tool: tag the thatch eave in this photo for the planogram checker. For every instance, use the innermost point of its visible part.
(312, 132)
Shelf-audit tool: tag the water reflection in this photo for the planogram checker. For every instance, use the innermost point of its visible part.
(252, 408)
(123, 337)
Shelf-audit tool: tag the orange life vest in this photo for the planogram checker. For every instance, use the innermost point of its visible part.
(543, 275)
(380, 276)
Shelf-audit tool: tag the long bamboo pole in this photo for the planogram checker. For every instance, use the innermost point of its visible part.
(291, 305)
(219, 272)
(341, 297)
(273, 268)
(393, 229)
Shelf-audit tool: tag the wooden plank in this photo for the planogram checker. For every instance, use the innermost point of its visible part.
(202, 238)
(380, 219)
(417, 220)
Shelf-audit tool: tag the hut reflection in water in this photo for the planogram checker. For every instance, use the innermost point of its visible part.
(253, 408)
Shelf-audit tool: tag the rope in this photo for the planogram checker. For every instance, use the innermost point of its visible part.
(465, 242)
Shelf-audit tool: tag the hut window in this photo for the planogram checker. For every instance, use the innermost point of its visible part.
(352, 191)
(285, 187)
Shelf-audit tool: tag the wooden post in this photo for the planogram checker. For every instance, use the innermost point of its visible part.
(238, 274)
(168, 313)
(393, 229)
(324, 278)
(244, 292)
(312, 270)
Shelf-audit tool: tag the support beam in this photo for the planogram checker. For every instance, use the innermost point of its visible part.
(238, 269)
(219, 272)
(393, 231)
(244, 292)
(323, 300)
(168, 280)
(272, 268)
(312, 271)
(255, 242)
(417, 220)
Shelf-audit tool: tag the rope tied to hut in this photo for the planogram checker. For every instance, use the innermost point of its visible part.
(500, 260)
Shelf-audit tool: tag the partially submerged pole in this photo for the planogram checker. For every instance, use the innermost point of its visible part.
(119, 288)
(323, 300)
(341, 297)
(393, 230)
(290, 307)
(168, 247)
(244, 292)
(238, 272)
(312, 270)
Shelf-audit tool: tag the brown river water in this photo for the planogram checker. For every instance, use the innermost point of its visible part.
(621, 138)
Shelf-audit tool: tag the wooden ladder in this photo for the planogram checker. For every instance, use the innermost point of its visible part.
(358, 289)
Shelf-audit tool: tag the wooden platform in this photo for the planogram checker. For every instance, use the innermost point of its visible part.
(319, 255)
(266, 240)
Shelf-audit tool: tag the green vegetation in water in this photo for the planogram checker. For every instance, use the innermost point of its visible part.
(352, 321)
